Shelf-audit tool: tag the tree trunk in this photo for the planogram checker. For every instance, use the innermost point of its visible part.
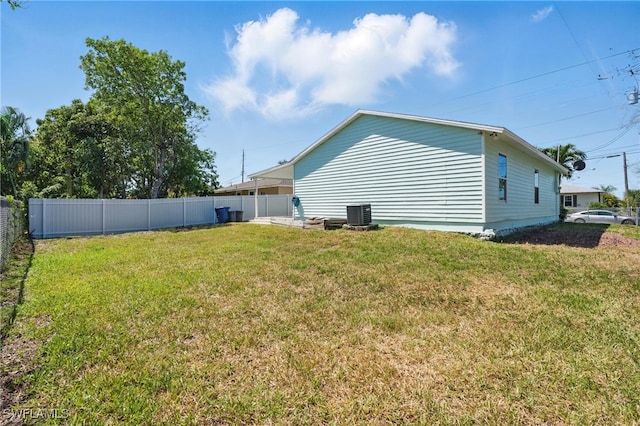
(158, 172)
(13, 186)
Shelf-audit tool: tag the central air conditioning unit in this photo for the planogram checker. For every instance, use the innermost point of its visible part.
(359, 215)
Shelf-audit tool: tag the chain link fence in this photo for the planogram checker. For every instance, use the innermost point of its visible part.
(11, 226)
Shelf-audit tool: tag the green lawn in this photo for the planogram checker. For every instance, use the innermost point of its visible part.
(250, 324)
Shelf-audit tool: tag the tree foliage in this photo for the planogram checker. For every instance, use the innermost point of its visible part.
(78, 153)
(633, 196)
(15, 136)
(607, 189)
(611, 200)
(14, 4)
(565, 155)
(144, 94)
(134, 138)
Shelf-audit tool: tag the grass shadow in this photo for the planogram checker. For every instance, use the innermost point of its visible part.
(585, 235)
(14, 278)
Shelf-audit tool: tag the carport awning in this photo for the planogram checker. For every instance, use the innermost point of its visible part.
(283, 171)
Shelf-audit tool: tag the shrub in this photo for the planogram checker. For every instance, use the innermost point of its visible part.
(563, 212)
(597, 205)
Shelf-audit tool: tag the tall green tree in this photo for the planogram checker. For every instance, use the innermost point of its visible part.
(15, 135)
(145, 91)
(565, 155)
(78, 146)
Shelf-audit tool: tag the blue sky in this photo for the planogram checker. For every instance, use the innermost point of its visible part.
(276, 76)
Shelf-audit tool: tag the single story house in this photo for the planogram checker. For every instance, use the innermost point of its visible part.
(578, 197)
(264, 187)
(425, 173)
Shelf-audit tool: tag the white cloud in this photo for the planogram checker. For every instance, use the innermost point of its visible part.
(541, 14)
(284, 69)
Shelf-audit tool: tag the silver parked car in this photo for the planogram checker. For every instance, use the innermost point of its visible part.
(600, 216)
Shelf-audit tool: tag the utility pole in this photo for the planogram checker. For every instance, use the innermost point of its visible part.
(626, 182)
(243, 166)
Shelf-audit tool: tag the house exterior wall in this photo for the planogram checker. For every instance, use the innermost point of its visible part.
(519, 209)
(414, 174)
(581, 200)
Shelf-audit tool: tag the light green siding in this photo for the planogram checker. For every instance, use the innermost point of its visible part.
(520, 208)
(412, 173)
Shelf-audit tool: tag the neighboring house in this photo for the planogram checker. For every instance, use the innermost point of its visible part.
(425, 173)
(265, 187)
(578, 197)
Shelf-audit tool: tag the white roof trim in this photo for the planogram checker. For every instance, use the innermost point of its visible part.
(285, 171)
(566, 188)
(281, 171)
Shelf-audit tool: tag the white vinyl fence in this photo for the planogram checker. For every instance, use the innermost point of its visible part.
(51, 218)
(10, 227)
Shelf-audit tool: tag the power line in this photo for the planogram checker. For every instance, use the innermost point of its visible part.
(617, 149)
(582, 135)
(615, 139)
(613, 155)
(566, 24)
(569, 118)
(544, 74)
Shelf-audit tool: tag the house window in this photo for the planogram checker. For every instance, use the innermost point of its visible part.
(568, 201)
(536, 187)
(502, 177)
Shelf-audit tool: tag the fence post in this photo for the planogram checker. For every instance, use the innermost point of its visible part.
(255, 198)
(184, 212)
(103, 217)
(44, 202)
(213, 210)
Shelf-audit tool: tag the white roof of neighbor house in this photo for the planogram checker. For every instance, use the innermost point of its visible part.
(249, 185)
(573, 189)
(285, 171)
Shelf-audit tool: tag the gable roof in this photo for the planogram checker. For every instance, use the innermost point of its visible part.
(250, 185)
(573, 189)
(286, 170)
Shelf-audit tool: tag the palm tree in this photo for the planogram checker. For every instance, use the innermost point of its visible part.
(14, 145)
(607, 189)
(565, 155)
(14, 4)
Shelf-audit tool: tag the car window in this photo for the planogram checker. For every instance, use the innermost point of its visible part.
(605, 214)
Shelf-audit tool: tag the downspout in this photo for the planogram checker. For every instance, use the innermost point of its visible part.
(483, 160)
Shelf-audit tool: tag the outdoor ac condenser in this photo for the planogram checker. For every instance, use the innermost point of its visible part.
(359, 215)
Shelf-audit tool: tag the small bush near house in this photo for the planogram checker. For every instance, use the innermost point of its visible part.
(563, 212)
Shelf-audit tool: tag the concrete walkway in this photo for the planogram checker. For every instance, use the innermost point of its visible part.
(282, 221)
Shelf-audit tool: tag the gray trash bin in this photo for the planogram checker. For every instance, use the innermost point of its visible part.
(235, 216)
